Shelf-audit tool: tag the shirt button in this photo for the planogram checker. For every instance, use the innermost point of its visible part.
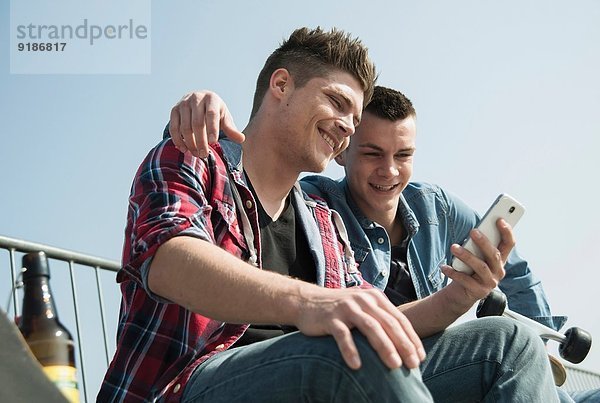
(380, 240)
(248, 204)
(176, 388)
(220, 347)
(384, 273)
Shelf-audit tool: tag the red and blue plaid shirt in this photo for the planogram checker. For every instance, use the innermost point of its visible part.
(159, 344)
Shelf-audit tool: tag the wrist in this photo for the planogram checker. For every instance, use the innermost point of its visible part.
(456, 299)
(294, 301)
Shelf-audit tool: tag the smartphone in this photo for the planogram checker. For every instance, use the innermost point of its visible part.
(504, 207)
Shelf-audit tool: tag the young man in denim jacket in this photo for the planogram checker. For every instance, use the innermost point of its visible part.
(390, 219)
(408, 254)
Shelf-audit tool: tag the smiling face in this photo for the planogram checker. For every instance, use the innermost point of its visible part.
(316, 120)
(379, 164)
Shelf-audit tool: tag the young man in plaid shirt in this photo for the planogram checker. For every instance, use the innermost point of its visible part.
(200, 322)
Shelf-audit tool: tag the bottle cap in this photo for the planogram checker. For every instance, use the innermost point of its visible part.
(35, 265)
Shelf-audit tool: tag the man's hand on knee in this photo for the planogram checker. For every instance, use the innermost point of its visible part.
(336, 312)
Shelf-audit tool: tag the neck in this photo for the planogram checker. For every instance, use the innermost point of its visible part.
(271, 177)
(390, 221)
(395, 231)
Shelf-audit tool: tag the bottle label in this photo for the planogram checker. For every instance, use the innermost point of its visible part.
(65, 378)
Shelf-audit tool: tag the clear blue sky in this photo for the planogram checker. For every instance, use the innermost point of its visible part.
(507, 96)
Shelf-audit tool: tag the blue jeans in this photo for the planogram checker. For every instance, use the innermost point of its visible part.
(297, 368)
(490, 359)
(586, 396)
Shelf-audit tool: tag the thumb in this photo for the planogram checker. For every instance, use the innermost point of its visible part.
(231, 130)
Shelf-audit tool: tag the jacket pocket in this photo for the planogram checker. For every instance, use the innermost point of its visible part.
(436, 277)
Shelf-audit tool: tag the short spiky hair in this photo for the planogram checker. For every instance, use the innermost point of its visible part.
(310, 53)
(390, 104)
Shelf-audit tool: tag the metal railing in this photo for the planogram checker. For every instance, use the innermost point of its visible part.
(97, 264)
(579, 379)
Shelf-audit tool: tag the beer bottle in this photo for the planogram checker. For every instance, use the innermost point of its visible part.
(49, 341)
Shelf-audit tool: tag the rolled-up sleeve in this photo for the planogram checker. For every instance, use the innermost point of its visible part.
(168, 199)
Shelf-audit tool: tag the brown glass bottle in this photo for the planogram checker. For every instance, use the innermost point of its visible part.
(50, 342)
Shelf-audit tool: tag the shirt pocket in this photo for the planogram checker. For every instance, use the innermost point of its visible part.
(360, 253)
(436, 277)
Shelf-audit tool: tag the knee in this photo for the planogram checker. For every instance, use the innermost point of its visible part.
(373, 379)
(513, 334)
(511, 329)
(401, 381)
(371, 364)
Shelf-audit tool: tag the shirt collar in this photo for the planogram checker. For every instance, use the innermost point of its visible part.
(408, 217)
(232, 153)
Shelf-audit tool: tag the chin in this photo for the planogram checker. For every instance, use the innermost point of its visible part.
(387, 205)
(316, 166)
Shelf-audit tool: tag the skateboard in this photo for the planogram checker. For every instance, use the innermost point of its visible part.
(574, 344)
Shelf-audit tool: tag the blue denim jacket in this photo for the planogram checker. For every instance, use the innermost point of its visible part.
(434, 220)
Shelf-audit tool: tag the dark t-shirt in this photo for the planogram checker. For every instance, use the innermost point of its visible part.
(285, 250)
(400, 288)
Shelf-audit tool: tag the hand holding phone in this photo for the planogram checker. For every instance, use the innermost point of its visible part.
(504, 207)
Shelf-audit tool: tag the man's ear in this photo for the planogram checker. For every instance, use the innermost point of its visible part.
(281, 82)
(341, 158)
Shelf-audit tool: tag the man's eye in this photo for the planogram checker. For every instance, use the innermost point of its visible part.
(336, 102)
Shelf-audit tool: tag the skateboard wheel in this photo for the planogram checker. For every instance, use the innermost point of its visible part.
(576, 346)
(492, 305)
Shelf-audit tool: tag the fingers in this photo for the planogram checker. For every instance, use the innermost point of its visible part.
(388, 331)
(473, 287)
(197, 134)
(390, 334)
(508, 239)
(195, 123)
(489, 271)
(212, 118)
(413, 337)
(185, 128)
(230, 129)
(343, 337)
(381, 342)
(174, 125)
(492, 265)
(480, 267)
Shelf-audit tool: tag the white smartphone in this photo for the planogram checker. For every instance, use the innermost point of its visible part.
(504, 207)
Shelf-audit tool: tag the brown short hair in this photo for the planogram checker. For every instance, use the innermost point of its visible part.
(390, 104)
(310, 53)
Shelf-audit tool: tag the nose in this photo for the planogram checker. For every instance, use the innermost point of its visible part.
(345, 125)
(388, 168)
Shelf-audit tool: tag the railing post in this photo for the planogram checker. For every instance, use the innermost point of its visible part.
(77, 325)
(14, 276)
(102, 315)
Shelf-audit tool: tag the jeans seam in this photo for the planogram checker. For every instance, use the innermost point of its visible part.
(433, 376)
(333, 363)
(499, 373)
